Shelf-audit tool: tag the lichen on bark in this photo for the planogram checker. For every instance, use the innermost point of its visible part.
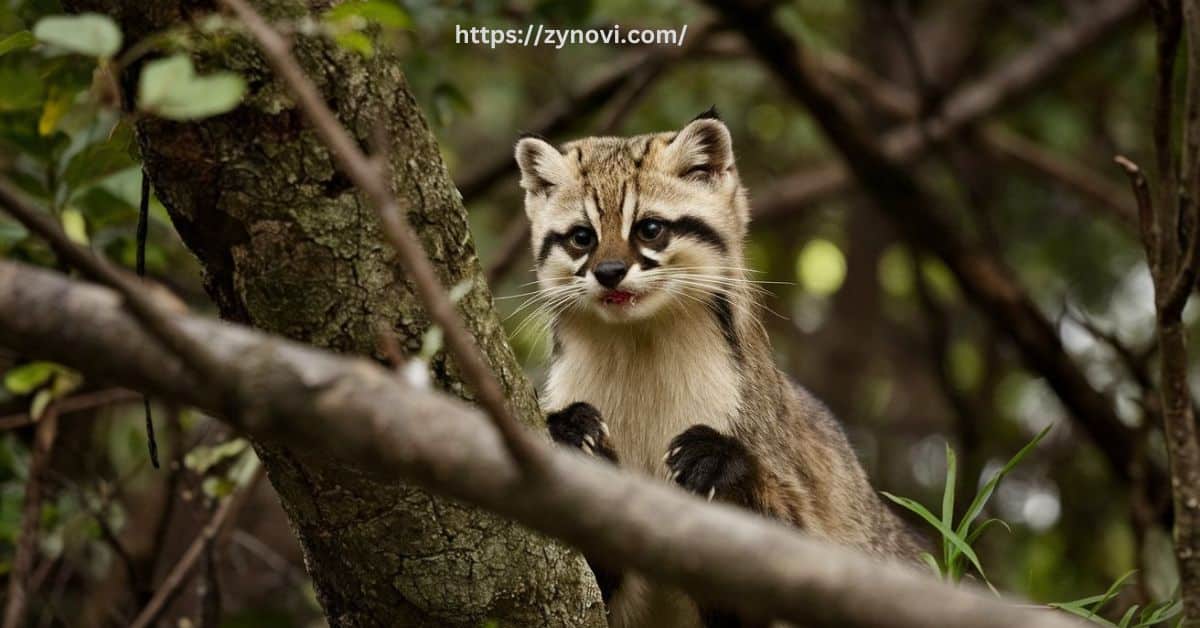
(287, 245)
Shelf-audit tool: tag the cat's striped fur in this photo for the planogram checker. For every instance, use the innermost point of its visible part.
(679, 343)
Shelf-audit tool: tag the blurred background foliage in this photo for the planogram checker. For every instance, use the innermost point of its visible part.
(883, 334)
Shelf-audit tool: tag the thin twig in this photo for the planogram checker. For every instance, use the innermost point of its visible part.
(22, 566)
(368, 177)
(77, 403)
(1145, 207)
(183, 570)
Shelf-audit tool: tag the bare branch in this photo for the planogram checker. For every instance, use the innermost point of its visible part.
(76, 403)
(1070, 174)
(179, 575)
(368, 177)
(1187, 211)
(31, 517)
(1170, 241)
(1016, 78)
(1145, 207)
(359, 411)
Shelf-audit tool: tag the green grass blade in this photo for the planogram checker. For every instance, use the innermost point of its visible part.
(1112, 591)
(978, 531)
(1081, 612)
(933, 564)
(948, 533)
(985, 493)
(1127, 617)
(948, 500)
(1159, 613)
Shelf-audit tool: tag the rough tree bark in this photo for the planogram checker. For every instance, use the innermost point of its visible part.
(288, 246)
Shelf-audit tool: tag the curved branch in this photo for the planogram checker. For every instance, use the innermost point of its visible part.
(356, 410)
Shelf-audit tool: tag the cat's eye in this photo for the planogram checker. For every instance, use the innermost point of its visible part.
(582, 237)
(650, 230)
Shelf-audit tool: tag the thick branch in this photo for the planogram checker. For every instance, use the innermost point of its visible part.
(356, 410)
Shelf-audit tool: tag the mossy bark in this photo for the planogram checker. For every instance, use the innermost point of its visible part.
(288, 246)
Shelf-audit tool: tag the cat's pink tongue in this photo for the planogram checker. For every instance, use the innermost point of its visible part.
(618, 297)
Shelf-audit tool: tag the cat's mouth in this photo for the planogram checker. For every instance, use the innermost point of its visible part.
(618, 298)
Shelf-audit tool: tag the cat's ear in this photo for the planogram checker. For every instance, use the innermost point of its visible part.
(542, 166)
(703, 150)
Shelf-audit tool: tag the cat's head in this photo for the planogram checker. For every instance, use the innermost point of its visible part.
(625, 227)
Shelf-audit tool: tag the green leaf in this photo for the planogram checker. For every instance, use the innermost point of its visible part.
(381, 12)
(91, 34)
(41, 401)
(355, 41)
(27, 378)
(20, 40)
(201, 459)
(947, 532)
(170, 88)
(23, 88)
(74, 225)
(97, 161)
(978, 531)
(1087, 607)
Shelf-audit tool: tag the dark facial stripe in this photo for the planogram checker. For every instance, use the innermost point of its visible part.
(551, 240)
(646, 263)
(722, 309)
(693, 227)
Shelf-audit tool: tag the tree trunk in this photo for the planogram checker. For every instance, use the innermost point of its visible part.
(287, 245)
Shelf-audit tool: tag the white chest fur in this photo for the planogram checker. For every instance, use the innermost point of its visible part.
(649, 383)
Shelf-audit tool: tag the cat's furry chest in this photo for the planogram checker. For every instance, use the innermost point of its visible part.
(648, 388)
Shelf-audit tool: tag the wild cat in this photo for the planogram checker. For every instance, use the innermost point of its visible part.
(660, 362)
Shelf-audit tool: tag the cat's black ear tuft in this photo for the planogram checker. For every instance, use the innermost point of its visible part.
(702, 151)
(531, 134)
(709, 114)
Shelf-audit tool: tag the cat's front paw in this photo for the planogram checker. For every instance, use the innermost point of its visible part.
(580, 426)
(711, 464)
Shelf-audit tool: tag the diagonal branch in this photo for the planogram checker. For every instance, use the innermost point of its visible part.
(357, 410)
(1016, 78)
(369, 177)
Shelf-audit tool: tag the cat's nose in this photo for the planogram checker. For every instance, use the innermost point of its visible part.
(610, 273)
